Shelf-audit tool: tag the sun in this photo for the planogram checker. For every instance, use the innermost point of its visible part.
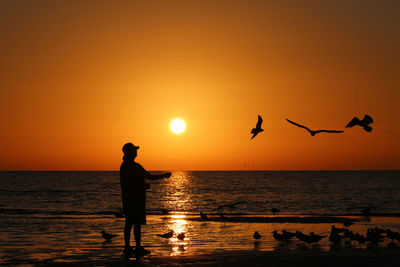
(177, 126)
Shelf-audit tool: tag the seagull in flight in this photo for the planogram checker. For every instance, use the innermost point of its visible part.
(363, 123)
(311, 131)
(258, 129)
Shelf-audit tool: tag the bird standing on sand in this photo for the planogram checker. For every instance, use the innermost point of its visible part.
(348, 223)
(277, 236)
(337, 230)
(392, 235)
(315, 238)
(311, 131)
(203, 216)
(167, 235)
(181, 236)
(258, 129)
(363, 123)
(287, 234)
(107, 236)
(257, 235)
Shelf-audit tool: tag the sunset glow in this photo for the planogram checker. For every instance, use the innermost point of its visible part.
(78, 80)
(177, 126)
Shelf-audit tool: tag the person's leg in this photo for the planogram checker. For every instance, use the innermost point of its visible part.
(137, 231)
(127, 231)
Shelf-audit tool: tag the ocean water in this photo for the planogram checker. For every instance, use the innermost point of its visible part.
(58, 216)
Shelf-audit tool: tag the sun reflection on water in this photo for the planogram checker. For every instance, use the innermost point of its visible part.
(178, 224)
(180, 198)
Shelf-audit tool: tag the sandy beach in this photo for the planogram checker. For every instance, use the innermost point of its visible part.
(352, 257)
(300, 257)
(210, 243)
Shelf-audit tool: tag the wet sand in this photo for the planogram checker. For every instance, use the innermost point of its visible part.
(343, 257)
(352, 257)
(78, 242)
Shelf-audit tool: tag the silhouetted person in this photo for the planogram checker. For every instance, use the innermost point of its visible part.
(133, 192)
(311, 131)
(363, 123)
(258, 129)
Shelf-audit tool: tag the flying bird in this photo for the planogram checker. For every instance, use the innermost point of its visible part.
(167, 235)
(257, 235)
(107, 236)
(311, 131)
(363, 123)
(258, 129)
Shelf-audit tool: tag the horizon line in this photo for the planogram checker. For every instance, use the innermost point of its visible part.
(305, 170)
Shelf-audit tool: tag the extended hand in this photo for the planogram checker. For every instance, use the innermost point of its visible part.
(167, 175)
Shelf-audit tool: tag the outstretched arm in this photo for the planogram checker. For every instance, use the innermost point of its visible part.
(159, 176)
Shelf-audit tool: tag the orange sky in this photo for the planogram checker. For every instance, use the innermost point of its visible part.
(78, 80)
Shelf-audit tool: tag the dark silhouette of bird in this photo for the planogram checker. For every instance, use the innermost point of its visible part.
(203, 216)
(363, 123)
(348, 223)
(107, 236)
(287, 234)
(277, 236)
(231, 206)
(311, 131)
(337, 230)
(315, 238)
(309, 239)
(392, 235)
(257, 235)
(334, 237)
(352, 236)
(275, 211)
(258, 129)
(379, 231)
(167, 235)
(181, 236)
(303, 237)
(374, 236)
(360, 239)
